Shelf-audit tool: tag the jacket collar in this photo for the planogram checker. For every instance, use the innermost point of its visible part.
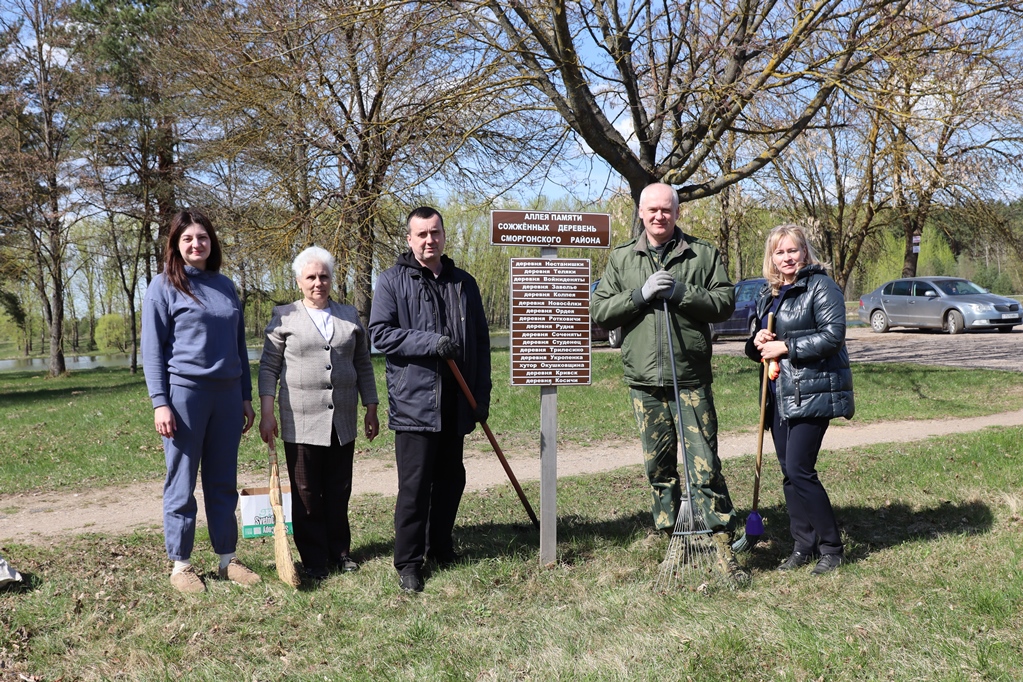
(408, 260)
(808, 271)
(676, 245)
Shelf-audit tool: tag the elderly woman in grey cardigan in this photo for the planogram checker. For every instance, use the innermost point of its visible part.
(319, 353)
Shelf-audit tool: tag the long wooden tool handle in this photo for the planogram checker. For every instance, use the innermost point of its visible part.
(763, 418)
(493, 441)
(276, 497)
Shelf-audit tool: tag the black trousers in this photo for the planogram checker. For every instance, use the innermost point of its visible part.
(431, 480)
(811, 517)
(321, 485)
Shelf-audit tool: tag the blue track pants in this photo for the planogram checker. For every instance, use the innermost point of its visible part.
(209, 429)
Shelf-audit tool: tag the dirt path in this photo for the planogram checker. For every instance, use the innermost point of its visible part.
(38, 518)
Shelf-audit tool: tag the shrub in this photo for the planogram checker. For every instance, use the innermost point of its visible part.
(112, 333)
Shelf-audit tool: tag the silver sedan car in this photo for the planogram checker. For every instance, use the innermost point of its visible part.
(948, 303)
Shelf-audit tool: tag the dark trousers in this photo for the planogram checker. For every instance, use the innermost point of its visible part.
(321, 485)
(431, 479)
(811, 518)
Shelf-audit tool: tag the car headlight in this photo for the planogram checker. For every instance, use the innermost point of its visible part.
(980, 308)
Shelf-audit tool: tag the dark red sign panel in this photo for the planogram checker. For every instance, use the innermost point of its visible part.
(550, 228)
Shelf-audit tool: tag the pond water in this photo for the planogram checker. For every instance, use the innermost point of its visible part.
(75, 362)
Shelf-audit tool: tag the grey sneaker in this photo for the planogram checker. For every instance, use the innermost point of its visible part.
(345, 564)
(239, 573)
(187, 581)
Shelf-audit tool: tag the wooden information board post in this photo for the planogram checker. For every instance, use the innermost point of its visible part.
(550, 326)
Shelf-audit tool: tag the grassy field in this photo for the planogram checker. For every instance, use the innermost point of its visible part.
(95, 427)
(933, 591)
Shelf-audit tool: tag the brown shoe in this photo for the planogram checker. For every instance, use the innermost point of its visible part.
(239, 573)
(726, 564)
(188, 581)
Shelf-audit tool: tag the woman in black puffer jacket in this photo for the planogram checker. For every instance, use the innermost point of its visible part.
(813, 387)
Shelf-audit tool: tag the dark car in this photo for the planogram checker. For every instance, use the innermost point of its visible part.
(743, 320)
(950, 303)
(613, 337)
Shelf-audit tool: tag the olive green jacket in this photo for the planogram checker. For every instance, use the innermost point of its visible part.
(702, 295)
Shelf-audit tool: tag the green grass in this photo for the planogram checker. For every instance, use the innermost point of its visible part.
(95, 427)
(933, 591)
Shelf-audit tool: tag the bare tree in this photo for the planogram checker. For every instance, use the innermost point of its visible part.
(956, 119)
(836, 179)
(41, 94)
(653, 88)
(937, 123)
(133, 135)
(343, 112)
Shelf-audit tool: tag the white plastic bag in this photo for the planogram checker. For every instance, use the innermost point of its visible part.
(8, 574)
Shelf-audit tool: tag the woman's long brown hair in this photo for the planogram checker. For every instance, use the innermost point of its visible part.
(174, 263)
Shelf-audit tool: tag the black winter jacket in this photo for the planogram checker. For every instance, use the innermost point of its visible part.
(815, 380)
(404, 325)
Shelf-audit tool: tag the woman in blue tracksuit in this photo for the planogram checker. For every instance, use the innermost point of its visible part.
(197, 373)
(814, 386)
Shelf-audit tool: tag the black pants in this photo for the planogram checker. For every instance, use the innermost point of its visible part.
(431, 479)
(321, 485)
(811, 518)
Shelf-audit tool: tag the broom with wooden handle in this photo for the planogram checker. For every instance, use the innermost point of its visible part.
(282, 548)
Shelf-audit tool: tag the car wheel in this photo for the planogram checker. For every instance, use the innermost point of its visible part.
(614, 337)
(1005, 330)
(752, 326)
(879, 321)
(954, 322)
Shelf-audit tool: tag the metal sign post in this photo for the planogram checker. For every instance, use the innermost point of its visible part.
(550, 326)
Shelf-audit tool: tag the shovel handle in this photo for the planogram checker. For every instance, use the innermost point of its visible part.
(493, 442)
(763, 418)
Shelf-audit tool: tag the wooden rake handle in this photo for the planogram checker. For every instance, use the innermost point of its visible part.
(493, 442)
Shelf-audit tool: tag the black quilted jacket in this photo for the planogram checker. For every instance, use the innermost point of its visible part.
(815, 377)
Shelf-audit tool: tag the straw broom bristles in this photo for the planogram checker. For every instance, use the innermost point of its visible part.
(282, 548)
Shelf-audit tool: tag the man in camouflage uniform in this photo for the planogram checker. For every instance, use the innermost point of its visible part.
(662, 264)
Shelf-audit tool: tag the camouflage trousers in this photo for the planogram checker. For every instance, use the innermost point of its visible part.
(655, 415)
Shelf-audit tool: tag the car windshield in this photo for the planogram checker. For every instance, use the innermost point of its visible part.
(958, 287)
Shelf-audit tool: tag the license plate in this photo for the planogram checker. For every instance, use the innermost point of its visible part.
(1010, 316)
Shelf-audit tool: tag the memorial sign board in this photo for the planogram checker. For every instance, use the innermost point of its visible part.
(550, 321)
(550, 229)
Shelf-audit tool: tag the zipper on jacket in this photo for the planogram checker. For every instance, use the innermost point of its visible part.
(662, 348)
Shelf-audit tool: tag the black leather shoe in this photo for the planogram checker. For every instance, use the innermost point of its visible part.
(315, 574)
(797, 560)
(410, 582)
(827, 564)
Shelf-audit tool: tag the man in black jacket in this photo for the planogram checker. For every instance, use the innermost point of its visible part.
(425, 312)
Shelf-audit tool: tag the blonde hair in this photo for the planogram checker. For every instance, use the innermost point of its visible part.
(798, 235)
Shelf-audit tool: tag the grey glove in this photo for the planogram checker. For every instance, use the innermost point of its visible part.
(447, 349)
(660, 281)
